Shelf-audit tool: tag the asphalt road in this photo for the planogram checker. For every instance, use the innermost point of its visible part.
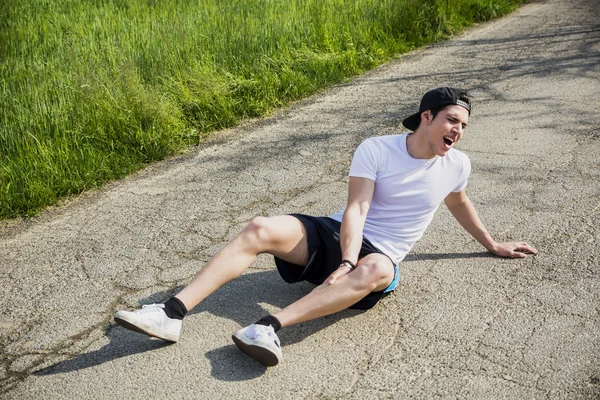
(462, 324)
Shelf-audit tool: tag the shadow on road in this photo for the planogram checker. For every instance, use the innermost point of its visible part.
(241, 301)
(445, 256)
(122, 344)
(244, 301)
(247, 299)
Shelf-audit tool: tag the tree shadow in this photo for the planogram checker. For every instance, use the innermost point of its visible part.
(528, 58)
(240, 300)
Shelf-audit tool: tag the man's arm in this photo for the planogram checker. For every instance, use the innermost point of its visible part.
(360, 194)
(463, 210)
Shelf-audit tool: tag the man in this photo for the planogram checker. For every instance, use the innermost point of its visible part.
(396, 184)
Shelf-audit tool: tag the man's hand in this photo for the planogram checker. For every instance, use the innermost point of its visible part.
(512, 250)
(462, 209)
(341, 271)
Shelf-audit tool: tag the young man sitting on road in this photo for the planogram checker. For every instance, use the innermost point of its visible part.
(397, 182)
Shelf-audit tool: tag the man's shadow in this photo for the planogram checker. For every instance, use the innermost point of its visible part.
(445, 256)
(239, 301)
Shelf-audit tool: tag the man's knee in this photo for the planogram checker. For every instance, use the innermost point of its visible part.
(375, 273)
(283, 236)
(257, 232)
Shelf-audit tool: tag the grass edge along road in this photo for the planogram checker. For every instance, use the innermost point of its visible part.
(92, 91)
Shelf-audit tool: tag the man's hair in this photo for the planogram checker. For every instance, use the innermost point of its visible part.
(435, 111)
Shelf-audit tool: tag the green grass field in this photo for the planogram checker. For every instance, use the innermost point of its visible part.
(92, 91)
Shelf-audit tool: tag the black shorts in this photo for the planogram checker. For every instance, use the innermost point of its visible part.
(325, 256)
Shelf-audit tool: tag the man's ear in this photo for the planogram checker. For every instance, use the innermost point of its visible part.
(426, 116)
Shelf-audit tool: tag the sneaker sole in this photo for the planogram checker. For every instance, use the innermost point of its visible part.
(258, 353)
(164, 336)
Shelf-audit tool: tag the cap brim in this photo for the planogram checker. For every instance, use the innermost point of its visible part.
(412, 122)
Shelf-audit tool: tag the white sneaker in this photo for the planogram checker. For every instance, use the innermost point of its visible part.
(259, 342)
(150, 320)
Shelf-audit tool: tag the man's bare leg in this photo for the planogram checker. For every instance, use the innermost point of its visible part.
(283, 236)
(259, 341)
(375, 272)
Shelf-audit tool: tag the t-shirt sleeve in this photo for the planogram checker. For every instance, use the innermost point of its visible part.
(464, 176)
(365, 161)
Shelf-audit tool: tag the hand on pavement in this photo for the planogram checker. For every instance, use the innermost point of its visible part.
(513, 250)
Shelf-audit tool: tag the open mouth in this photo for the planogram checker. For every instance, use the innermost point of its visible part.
(448, 140)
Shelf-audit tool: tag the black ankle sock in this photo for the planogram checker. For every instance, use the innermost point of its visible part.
(270, 320)
(175, 309)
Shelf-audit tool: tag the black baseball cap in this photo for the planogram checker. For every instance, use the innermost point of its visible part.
(438, 98)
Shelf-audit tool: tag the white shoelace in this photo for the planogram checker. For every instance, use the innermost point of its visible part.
(150, 308)
(260, 330)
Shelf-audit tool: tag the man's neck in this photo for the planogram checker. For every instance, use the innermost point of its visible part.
(417, 146)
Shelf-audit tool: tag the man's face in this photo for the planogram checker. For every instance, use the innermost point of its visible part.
(443, 131)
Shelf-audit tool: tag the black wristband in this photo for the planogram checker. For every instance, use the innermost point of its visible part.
(350, 263)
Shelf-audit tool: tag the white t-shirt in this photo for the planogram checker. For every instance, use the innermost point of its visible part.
(408, 191)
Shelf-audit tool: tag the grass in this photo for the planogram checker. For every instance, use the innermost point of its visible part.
(92, 91)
